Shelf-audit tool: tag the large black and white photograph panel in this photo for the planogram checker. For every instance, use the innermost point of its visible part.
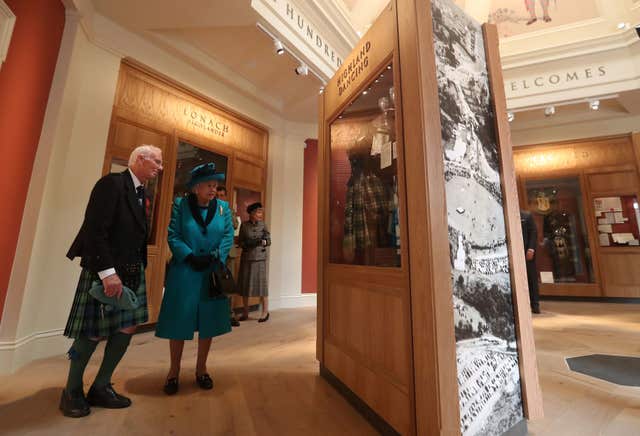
(486, 347)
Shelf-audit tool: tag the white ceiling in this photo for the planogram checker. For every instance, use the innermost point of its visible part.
(222, 39)
(624, 105)
(214, 33)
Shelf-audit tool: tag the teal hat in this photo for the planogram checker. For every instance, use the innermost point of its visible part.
(127, 301)
(204, 173)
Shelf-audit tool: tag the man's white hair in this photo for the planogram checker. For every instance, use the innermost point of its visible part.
(143, 150)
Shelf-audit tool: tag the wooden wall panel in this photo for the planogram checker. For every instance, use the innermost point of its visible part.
(367, 320)
(128, 136)
(617, 183)
(149, 98)
(573, 155)
(379, 392)
(621, 272)
(247, 173)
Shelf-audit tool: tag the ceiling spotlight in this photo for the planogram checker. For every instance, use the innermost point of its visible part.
(321, 90)
(594, 105)
(278, 46)
(302, 70)
(549, 110)
(365, 92)
(511, 116)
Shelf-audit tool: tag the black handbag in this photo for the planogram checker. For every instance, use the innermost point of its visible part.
(222, 282)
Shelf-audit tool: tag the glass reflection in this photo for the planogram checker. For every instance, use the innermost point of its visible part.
(564, 255)
(365, 228)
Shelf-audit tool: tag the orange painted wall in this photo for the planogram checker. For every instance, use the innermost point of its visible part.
(25, 82)
(310, 219)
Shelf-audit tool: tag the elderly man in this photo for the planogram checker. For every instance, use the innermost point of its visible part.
(112, 245)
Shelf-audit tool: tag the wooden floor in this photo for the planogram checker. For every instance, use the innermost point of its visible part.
(576, 404)
(267, 383)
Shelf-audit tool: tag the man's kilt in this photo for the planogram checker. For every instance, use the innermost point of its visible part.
(92, 319)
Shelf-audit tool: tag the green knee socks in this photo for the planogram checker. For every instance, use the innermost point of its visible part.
(79, 355)
(116, 347)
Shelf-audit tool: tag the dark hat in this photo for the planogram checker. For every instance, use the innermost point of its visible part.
(254, 206)
(127, 301)
(204, 173)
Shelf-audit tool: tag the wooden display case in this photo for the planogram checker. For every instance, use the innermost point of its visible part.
(604, 167)
(392, 332)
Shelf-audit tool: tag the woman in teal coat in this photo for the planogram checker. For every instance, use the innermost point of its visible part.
(200, 233)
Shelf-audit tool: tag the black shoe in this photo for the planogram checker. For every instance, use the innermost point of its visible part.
(204, 381)
(265, 319)
(235, 322)
(535, 309)
(74, 404)
(171, 386)
(106, 397)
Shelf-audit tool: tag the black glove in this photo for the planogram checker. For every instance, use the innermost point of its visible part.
(199, 263)
(252, 243)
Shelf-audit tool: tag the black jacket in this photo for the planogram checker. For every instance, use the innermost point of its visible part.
(114, 231)
(529, 230)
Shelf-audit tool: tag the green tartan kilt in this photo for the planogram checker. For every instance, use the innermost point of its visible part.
(90, 318)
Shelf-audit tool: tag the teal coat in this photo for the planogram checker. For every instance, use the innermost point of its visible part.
(186, 305)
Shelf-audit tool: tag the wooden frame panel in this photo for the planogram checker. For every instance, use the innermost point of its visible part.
(335, 350)
(531, 392)
(434, 349)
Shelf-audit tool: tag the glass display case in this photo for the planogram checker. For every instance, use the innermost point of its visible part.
(189, 156)
(618, 220)
(364, 221)
(563, 254)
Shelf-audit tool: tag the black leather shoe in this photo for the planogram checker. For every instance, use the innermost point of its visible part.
(171, 386)
(235, 322)
(74, 404)
(204, 381)
(106, 397)
(265, 319)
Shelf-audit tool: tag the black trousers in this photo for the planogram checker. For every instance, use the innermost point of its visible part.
(532, 279)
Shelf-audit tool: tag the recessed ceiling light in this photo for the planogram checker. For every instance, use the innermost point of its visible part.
(549, 111)
(623, 26)
(594, 105)
(511, 116)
